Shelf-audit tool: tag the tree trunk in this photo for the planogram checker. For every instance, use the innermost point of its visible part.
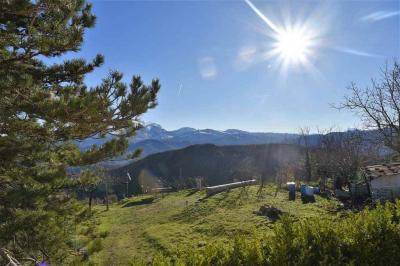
(90, 199)
(368, 184)
(261, 187)
(106, 197)
(278, 185)
(308, 166)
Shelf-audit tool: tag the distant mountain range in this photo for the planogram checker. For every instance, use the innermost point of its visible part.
(154, 139)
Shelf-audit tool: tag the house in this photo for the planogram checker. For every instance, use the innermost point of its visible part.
(383, 180)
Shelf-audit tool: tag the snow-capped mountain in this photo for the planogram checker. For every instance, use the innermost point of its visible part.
(152, 138)
(200, 136)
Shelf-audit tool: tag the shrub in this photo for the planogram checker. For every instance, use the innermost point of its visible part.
(371, 237)
(95, 246)
(103, 233)
(305, 243)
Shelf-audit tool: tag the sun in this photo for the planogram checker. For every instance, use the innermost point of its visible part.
(293, 46)
(294, 43)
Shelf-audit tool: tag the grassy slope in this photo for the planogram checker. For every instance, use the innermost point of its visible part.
(140, 228)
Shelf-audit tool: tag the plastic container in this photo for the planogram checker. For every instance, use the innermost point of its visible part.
(303, 190)
(309, 191)
(291, 186)
(292, 195)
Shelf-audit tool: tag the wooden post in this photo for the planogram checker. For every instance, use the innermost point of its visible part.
(90, 199)
(106, 196)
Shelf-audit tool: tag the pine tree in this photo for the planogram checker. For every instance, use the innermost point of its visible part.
(44, 110)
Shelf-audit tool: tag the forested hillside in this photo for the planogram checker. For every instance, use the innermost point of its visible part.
(217, 164)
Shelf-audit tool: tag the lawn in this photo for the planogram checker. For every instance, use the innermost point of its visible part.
(142, 226)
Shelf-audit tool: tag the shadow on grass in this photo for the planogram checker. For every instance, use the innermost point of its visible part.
(144, 201)
(191, 192)
(218, 197)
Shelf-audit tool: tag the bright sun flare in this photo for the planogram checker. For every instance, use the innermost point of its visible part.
(293, 46)
(294, 43)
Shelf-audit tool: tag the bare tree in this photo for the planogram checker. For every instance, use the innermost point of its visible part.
(340, 155)
(304, 140)
(284, 173)
(379, 105)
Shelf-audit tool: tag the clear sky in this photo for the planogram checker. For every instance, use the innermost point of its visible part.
(259, 66)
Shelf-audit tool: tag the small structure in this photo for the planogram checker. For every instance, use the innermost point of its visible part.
(342, 194)
(383, 180)
(359, 189)
(217, 189)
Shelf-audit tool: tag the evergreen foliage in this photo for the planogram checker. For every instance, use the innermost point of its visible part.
(44, 109)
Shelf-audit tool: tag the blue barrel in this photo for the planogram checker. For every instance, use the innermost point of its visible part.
(292, 195)
(292, 190)
(291, 186)
(303, 190)
(309, 191)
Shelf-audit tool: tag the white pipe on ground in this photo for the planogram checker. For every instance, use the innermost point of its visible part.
(217, 189)
(162, 189)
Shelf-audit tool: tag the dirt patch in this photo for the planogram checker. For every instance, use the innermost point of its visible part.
(270, 212)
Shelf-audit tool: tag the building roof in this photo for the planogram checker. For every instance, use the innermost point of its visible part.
(374, 171)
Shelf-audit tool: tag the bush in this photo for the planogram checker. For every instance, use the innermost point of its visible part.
(95, 246)
(305, 243)
(103, 233)
(371, 237)
(374, 236)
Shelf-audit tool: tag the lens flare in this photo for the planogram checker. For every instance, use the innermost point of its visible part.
(296, 41)
(293, 46)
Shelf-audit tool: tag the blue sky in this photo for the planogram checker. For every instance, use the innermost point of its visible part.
(211, 58)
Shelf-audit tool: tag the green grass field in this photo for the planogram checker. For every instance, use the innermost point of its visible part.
(141, 227)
